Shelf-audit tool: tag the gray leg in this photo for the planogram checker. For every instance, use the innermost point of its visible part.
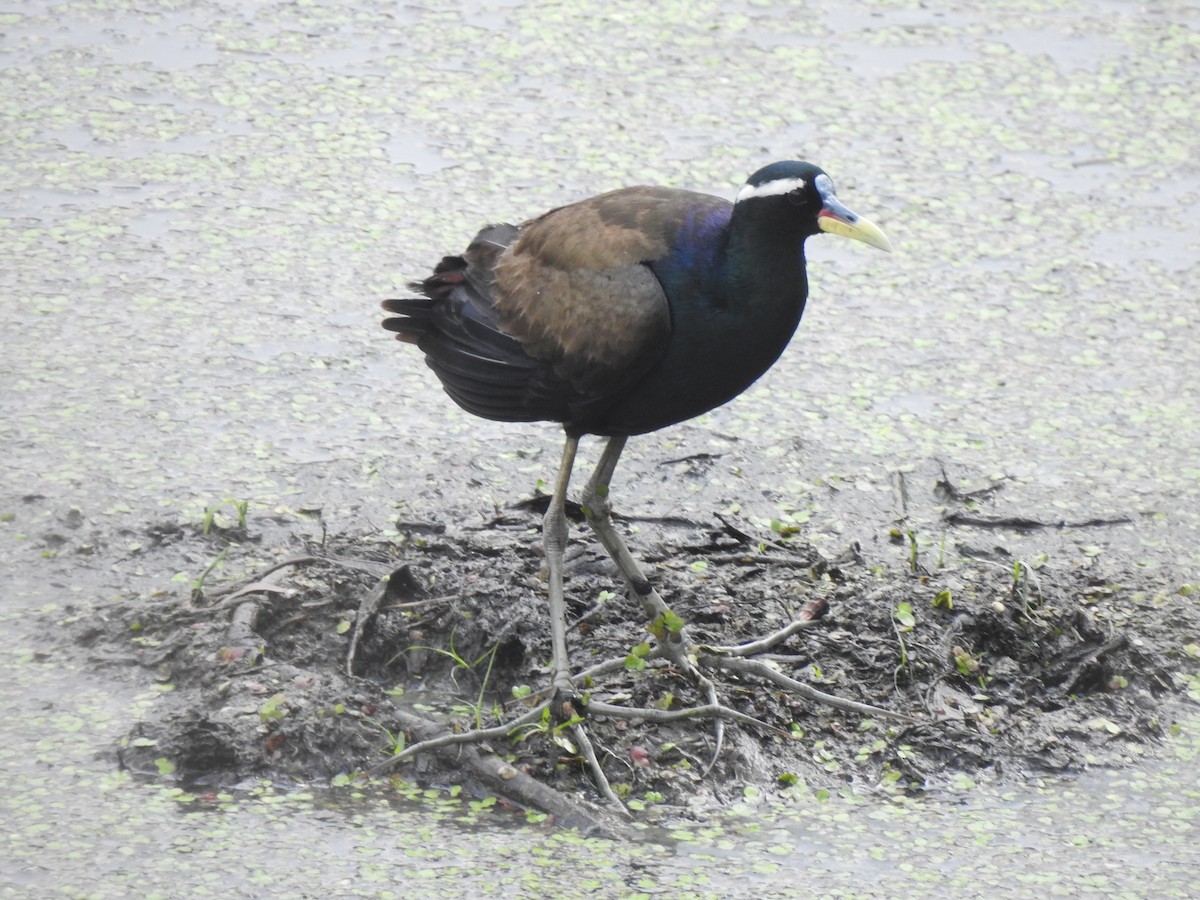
(599, 515)
(554, 539)
(674, 645)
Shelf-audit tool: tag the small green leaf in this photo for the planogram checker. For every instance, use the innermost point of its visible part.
(270, 711)
(784, 529)
(966, 664)
(665, 701)
(673, 623)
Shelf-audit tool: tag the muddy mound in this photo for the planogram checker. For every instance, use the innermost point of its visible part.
(338, 656)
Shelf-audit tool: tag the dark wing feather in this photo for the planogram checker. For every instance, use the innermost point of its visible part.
(486, 371)
(558, 319)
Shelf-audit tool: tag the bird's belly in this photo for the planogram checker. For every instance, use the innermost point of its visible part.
(685, 385)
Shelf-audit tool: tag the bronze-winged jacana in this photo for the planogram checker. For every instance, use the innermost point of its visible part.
(618, 315)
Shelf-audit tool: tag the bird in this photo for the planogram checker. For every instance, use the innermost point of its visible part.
(619, 315)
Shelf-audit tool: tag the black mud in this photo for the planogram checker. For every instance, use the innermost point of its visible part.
(314, 668)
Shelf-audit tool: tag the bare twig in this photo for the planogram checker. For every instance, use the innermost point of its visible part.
(598, 776)
(241, 625)
(366, 611)
(260, 576)
(760, 559)
(807, 617)
(762, 670)
(510, 781)
(617, 664)
(421, 604)
(1023, 523)
(710, 690)
(449, 739)
(660, 716)
(244, 585)
(762, 645)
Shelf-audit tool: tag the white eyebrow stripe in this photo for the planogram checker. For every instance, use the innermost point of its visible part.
(770, 188)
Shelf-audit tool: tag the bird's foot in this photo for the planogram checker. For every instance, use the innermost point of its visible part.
(701, 664)
(567, 705)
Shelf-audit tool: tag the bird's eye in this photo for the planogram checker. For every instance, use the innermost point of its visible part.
(797, 197)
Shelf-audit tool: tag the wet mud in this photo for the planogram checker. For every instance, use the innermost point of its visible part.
(336, 652)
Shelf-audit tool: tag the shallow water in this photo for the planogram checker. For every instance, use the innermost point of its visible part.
(202, 207)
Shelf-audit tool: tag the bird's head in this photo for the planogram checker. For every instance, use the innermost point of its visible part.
(805, 194)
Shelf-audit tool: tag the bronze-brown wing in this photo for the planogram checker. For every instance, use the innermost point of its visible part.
(576, 291)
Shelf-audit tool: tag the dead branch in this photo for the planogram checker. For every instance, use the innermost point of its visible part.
(762, 670)
(1021, 523)
(808, 616)
(518, 786)
(660, 716)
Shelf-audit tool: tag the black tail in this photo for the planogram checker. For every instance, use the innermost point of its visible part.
(486, 371)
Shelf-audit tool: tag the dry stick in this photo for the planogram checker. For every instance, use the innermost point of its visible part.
(762, 645)
(806, 618)
(526, 790)
(718, 724)
(615, 664)
(367, 608)
(504, 731)
(450, 738)
(659, 716)
(589, 753)
(241, 624)
(750, 559)
(241, 631)
(754, 667)
(259, 576)
(242, 584)
(421, 604)
(238, 596)
(1021, 523)
(512, 780)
